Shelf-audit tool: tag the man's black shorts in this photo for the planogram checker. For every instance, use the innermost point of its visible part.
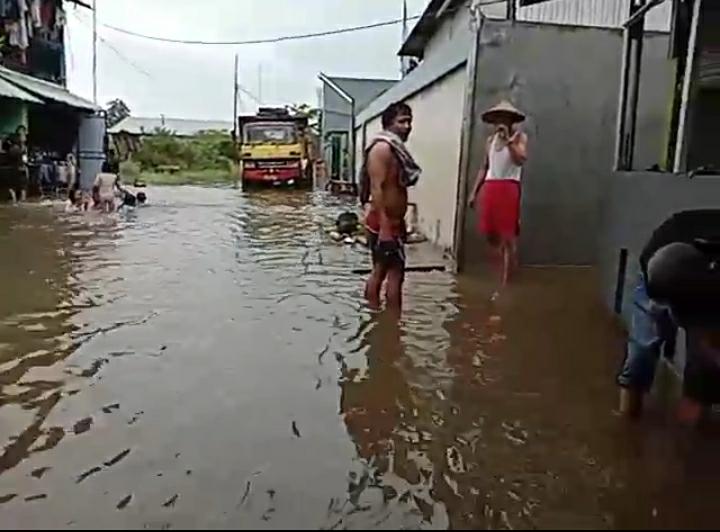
(390, 254)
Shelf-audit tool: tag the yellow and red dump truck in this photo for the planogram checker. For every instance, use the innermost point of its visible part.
(274, 148)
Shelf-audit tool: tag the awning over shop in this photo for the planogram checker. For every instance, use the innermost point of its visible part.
(8, 90)
(44, 90)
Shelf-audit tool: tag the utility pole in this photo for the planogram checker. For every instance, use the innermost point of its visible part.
(404, 62)
(236, 126)
(95, 52)
(236, 89)
(260, 84)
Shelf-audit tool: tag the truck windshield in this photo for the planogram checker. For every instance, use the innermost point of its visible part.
(270, 133)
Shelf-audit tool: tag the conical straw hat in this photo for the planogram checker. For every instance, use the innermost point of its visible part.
(504, 108)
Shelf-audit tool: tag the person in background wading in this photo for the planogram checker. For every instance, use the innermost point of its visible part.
(496, 194)
(16, 157)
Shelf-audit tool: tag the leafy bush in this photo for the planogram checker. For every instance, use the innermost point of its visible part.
(208, 150)
(129, 170)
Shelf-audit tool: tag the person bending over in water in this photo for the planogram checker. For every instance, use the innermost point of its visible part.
(679, 285)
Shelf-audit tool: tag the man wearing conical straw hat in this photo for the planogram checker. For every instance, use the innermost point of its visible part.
(497, 189)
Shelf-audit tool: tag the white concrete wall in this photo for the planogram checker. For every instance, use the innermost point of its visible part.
(455, 30)
(435, 143)
(373, 126)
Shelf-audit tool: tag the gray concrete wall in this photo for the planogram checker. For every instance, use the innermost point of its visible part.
(635, 205)
(566, 79)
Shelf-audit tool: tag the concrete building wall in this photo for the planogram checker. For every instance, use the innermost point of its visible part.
(363, 134)
(598, 13)
(571, 103)
(636, 203)
(435, 143)
(455, 31)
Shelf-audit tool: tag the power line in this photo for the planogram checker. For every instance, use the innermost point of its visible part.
(285, 38)
(270, 40)
(249, 94)
(116, 51)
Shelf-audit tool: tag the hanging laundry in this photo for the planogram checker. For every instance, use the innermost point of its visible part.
(24, 36)
(22, 8)
(12, 28)
(47, 14)
(35, 13)
(9, 9)
(60, 18)
(30, 26)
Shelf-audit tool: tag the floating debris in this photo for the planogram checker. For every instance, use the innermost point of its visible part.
(39, 472)
(7, 498)
(87, 474)
(171, 501)
(83, 425)
(109, 408)
(117, 458)
(124, 502)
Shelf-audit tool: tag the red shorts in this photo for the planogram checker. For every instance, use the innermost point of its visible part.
(498, 209)
(372, 224)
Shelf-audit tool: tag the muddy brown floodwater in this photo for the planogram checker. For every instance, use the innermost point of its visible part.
(207, 361)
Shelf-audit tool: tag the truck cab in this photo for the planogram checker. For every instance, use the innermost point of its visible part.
(273, 148)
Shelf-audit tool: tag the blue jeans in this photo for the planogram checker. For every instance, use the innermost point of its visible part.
(652, 330)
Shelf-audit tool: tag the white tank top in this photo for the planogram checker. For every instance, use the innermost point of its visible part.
(501, 164)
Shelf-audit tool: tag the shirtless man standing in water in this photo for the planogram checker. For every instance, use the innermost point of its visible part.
(386, 168)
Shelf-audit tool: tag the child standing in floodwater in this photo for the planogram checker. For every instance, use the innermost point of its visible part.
(106, 183)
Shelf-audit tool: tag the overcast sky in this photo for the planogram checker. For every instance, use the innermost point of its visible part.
(190, 81)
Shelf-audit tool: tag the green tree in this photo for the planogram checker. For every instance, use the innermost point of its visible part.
(313, 113)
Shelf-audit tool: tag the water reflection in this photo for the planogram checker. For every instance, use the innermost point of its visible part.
(208, 362)
(36, 327)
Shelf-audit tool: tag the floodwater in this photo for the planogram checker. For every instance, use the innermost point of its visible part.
(206, 361)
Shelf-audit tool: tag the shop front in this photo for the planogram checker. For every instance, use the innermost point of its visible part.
(62, 136)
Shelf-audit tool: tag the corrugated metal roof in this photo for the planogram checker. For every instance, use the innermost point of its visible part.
(593, 13)
(179, 126)
(363, 90)
(8, 90)
(598, 13)
(45, 90)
